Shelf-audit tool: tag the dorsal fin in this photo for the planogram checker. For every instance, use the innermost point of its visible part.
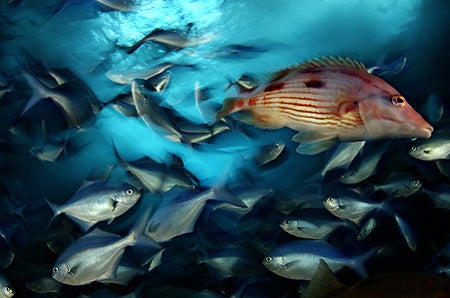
(320, 62)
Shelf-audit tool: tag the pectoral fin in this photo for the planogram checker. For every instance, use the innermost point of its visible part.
(312, 147)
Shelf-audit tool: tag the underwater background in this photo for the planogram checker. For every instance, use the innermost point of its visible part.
(67, 70)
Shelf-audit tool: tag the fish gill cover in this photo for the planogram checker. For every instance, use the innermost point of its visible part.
(108, 113)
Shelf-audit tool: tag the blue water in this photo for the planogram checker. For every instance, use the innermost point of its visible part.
(89, 39)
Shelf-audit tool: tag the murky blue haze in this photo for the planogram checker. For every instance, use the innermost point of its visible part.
(47, 152)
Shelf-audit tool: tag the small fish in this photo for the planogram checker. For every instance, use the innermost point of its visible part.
(126, 76)
(237, 51)
(343, 156)
(96, 256)
(351, 205)
(298, 259)
(245, 83)
(407, 232)
(124, 103)
(329, 100)
(158, 178)
(435, 148)
(308, 196)
(232, 261)
(313, 226)
(179, 211)
(196, 133)
(367, 167)
(325, 285)
(6, 291)
(268, 153)
(433, 108)
(159, 82)
(154, 115)
(97, 202)
(369, 225)
(389, 70)
(74, 98)
(399, 184)
(172, 39)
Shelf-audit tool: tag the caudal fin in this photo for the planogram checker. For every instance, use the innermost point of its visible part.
(229, 106)
(55, 208)
(359, 261)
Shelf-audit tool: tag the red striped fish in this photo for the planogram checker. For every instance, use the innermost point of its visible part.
(329, 100)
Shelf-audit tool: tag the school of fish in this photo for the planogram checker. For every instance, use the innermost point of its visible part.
(139, 165)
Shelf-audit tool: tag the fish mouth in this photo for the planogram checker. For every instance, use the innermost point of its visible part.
(424, 131)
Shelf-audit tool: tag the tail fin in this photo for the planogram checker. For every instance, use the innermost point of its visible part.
(229, 106)
(55, 209)
(40, 92)
(358, 262)
(137, 231)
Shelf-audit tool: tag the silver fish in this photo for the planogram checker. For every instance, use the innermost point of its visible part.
(298, 259)
(6, 291)
(124, 103)
(154, 115)
(126, 76)
(179, 211)
(407, 232)
(313, 226)
(97, 202)
(433, 108)
(96, 256)
(367, 228)
(351, 205)
(308, 196)
(343, 156)
(367, 166)
(171, 39)
(231, 261)
(435, 148)
(246, 83)
(268, 153)
(389, 70)
(158, 178)
(75, 100)
(399, 184)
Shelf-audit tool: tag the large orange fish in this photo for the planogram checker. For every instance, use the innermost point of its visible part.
(328, 100)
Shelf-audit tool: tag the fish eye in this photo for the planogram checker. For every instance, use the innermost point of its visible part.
(416, 182)
(330, 200)
(398, 100)
(55, 270)
(413, 148)
(192, 186)
(9, 291)
(268, 260)
(130, 191)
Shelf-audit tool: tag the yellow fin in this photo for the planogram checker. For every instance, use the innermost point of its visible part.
(320, 62)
